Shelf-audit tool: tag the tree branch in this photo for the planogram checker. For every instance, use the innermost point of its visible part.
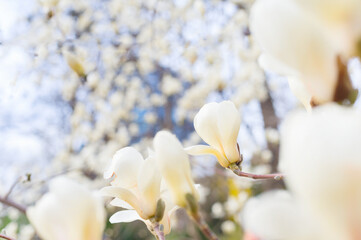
(6, 237)
(275, 176)
(271, 121)
(10, 203)
(12, 187)
(202, 225)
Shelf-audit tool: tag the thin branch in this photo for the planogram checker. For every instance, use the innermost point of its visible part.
(275, 176)
(202, 225)
(12, 187)
(159, 234)
(6, 237)
(10, 203)
(271, 121)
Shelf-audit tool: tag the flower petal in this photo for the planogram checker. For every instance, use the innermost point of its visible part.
(269, 63)
(229, 122)
(205, 124)
(333, 11)
(204, 149)
(68, 211)
(117, 202)
(300, 91)
(298, 88)
(174, 165)
(123, 194)
(149, 179)
(309, 51)
(124, 216)
(125, 165)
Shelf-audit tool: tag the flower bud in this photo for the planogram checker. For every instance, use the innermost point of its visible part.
(68, 211)
(174, 165)
(218, 125)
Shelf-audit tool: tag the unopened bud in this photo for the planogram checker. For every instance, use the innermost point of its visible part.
(159, 211)
(192, 203)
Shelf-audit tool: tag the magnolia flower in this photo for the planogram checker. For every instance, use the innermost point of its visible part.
(342, 18)
(297, 44)
(68, 211)
(320, 155)
(305, 45)
(218, 125)
(174, 166)
(276, 215)
(74, 63)
(136, 186)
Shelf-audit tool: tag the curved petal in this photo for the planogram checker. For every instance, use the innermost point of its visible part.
(298, 88)
(300, 91)
(229, 122)
(342, 17)
(149, 179)
(204, 149)
(276, 214)
(166, 221)
(205, 124)
(269, 63)
(124, 216)
(41, 217)
(68, 211)
(125, 166)
(333, 10)
(123, 194)
(170, 208)
(309, 51)
(174, 165)
(88, 221)
(328, 140)
(117, 202)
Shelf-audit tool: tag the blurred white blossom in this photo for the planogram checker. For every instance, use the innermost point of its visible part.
(321, 159)
(307, 45)
(276, 215)
(68, 211)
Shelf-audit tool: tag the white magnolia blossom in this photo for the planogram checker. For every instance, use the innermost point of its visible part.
(341, 17)
(276, 215)
(305, 45)
(74, 63)
(218, 125)
(136, 186)
(174, 166)
(320, 155)
(68, 211)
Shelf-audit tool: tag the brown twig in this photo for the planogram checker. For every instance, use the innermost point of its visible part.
(202, 225)
(13, 187)
(275, 176)
(271, 121)
(10, 203)
(6, 237)
(159, 234)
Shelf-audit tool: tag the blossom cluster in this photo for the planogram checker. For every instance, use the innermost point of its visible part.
(133, 115)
